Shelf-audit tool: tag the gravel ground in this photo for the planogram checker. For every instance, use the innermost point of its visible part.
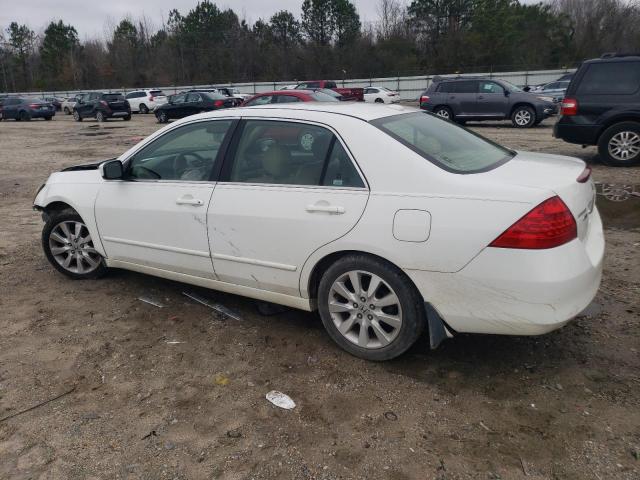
(137, 405)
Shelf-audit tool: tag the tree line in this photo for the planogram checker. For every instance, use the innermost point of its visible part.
(326, 38)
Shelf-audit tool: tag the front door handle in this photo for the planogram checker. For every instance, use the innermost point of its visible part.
(335, 209)
(189, 200)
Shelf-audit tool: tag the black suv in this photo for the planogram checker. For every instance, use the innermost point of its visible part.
(602, 107)
(101, 106)
(475, 98)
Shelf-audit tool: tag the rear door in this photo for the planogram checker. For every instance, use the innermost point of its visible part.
(286, 189)
(462, 97)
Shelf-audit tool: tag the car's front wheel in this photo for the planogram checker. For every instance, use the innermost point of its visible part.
(76, 116)
(162, 117)
(100, 117)
(67, 111)
(69, 247)
(619, 145)
(523, 117)
(370, 308)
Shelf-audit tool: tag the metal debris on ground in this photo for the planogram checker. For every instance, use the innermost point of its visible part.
(174, 342)
(217, 307)
(390, 416)
(151, 301)
(281, 400)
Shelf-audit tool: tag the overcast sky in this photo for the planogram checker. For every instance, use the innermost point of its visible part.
(90, 16)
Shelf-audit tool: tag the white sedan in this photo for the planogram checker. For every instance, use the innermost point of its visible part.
(388, 220)
(380, 95)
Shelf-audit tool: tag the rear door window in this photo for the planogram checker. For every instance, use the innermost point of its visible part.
(467, 86)
(610, 78)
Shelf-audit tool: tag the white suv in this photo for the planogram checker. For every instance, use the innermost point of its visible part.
(145, 101)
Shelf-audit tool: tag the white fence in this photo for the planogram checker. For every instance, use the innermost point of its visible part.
(409, 88)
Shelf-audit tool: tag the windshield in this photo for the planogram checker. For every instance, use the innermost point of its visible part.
(323, 97)
(443, 143)
(512, 87)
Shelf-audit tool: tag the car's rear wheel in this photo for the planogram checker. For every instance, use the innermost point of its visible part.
(76, 116)
(143, 108)
(523, 117)
(126, 118)
(69, 247)
(444, 112)
(67, 111)
(619, 145)
(379, 100)
(24, 116)
(370, 308)
(48, 118)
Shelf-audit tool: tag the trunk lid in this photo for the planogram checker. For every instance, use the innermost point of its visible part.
(555, 173)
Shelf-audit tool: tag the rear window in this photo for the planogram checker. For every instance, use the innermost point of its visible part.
(610, 78)
(443, 143)
(113, 97)
(156, 93)
(323, 97)
(214, 95)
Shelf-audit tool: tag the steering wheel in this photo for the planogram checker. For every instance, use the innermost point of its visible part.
(181, 164)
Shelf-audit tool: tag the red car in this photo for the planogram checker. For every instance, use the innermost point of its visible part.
(347, 93)
(290, 96)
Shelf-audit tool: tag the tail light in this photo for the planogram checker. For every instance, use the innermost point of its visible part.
(548, 225)
(104, 103)
(584, 176)
(424, 99)
(569, 107)
(34, 105)
(219, 103)
(151, 98)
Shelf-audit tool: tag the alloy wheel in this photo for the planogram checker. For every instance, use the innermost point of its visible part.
(523, 117)
(624, 145)
(72, 247)
(100, 117)
(365, 309)
(443, 113)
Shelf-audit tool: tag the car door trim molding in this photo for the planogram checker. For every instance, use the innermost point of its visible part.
(155, 246)
(252, 261)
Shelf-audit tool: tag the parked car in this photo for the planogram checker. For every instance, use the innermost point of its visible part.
(185, 104)
(101, 106)
(300, 205)
(289, 87)
(24, 109)
(145, 101)
(380, 95)
(461, 99)
(236, 101)
(291, 96)
(70, 102)
(347, 93)
(555, 90)
(234, 93)
(602, 107)
(55, 101)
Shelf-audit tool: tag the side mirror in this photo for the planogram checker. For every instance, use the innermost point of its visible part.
(112, 170)
(507, 93)
(527, 88)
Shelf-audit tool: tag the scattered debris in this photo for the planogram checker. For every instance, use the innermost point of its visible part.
(217, 307)
(174, 342)
(152, 433)
(524, 467)
(312, 360)
(38, 405)
(485, 427)
(151, 301)
(235, 433)
(281, 400)
(390, 416)
(221, 379)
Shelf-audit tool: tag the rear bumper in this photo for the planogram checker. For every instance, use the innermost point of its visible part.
(518, 292)
(576, 133)
(117, 113)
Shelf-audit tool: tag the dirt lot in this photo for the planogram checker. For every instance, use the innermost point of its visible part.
(137, 406)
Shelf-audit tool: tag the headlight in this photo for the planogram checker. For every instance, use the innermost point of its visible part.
(546, 99)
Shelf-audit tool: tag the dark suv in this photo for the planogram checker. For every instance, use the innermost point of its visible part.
(463, 99)
(602, 107)
(101, 106)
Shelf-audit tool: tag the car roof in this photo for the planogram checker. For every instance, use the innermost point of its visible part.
(611, 57)
(360, 110)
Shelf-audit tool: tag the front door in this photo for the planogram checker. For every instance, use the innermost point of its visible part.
(286, 189)
(492, 100)
(157, 215)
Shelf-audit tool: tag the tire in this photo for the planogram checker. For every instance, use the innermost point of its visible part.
(381, 340)
(619, 145)
(162, 117)
(523, 117)
(127, 118)
(100, 117)
(48, 118)
(76, 116)
(67, 111)
(24, 116)
(63, 246)
(379, 100)
(143, 109)
(443, 112)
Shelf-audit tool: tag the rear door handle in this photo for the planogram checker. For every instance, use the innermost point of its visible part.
(325, 209)
(189, 200)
